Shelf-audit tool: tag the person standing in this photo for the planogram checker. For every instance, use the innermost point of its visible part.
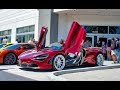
(1, 39)
(109, 50)
(113, 43)
(87, 44)
(98, 44)
(31, 40)
(5, 39)
(16, 41)
(115, 54)
(117, 42)
(104, 48)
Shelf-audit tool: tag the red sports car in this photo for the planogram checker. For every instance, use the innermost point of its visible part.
(9, 55)
(57, 56)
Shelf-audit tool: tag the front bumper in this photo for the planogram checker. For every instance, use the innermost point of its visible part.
(28, 65)
(34, 65)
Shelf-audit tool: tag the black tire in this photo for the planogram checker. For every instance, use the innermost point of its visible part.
(58, 62)
(99, 59)
(10, 59)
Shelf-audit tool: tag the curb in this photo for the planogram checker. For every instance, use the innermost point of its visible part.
(54, 76)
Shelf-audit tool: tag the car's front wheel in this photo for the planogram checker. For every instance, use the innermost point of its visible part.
(10, 59)
(99, 60)
(58, 62)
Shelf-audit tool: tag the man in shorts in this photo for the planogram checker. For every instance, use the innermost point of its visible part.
(115, 54)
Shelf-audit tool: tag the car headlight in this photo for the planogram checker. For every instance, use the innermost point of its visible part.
(40, 57)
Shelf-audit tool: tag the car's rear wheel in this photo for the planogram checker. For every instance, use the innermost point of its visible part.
(10, 59)
(58, 62)
(99, 60)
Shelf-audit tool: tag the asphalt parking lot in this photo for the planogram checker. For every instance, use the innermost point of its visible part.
(96, 75)
(16, 73)
(108, 72)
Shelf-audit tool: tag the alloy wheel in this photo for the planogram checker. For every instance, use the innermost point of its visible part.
(10, 59)
(59, 62)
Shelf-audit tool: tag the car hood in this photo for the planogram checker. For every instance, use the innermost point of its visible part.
(33, 53)
(75, 39)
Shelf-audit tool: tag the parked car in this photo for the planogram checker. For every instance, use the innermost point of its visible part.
(3, 45)
(58, 55)
(9, 54)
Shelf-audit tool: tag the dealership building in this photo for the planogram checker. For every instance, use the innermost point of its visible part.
(100, 24)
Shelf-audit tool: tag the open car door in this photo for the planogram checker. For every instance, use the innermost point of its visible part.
(42, 38)
(75, 39)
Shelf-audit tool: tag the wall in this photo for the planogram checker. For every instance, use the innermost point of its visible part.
(44, 20)
(54, 28)
(14, 18)
(49, 19)
(65, 22)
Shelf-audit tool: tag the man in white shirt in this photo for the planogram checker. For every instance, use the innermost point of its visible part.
(31, 40)
(5, 39)
(16, 41)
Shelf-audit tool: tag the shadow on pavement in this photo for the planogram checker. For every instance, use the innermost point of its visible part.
(3, 69)
(50, 70)
(76, 67)
(35, 70)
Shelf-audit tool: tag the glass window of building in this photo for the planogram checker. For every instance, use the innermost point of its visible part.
(24, 38)
(103, 29)
(19, 30)
(31, 28)
(24, 33)
(0, 33)
(9, 38)
(26, 29)
(88, 29)
(96, 29)
(114, 29)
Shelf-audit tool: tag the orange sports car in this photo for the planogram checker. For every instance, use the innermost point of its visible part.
(9, 55)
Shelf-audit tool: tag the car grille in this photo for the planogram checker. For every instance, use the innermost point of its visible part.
(28, 65)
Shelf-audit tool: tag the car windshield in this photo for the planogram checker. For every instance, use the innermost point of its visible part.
(1, 45)
(55, 46)
(12, 46)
